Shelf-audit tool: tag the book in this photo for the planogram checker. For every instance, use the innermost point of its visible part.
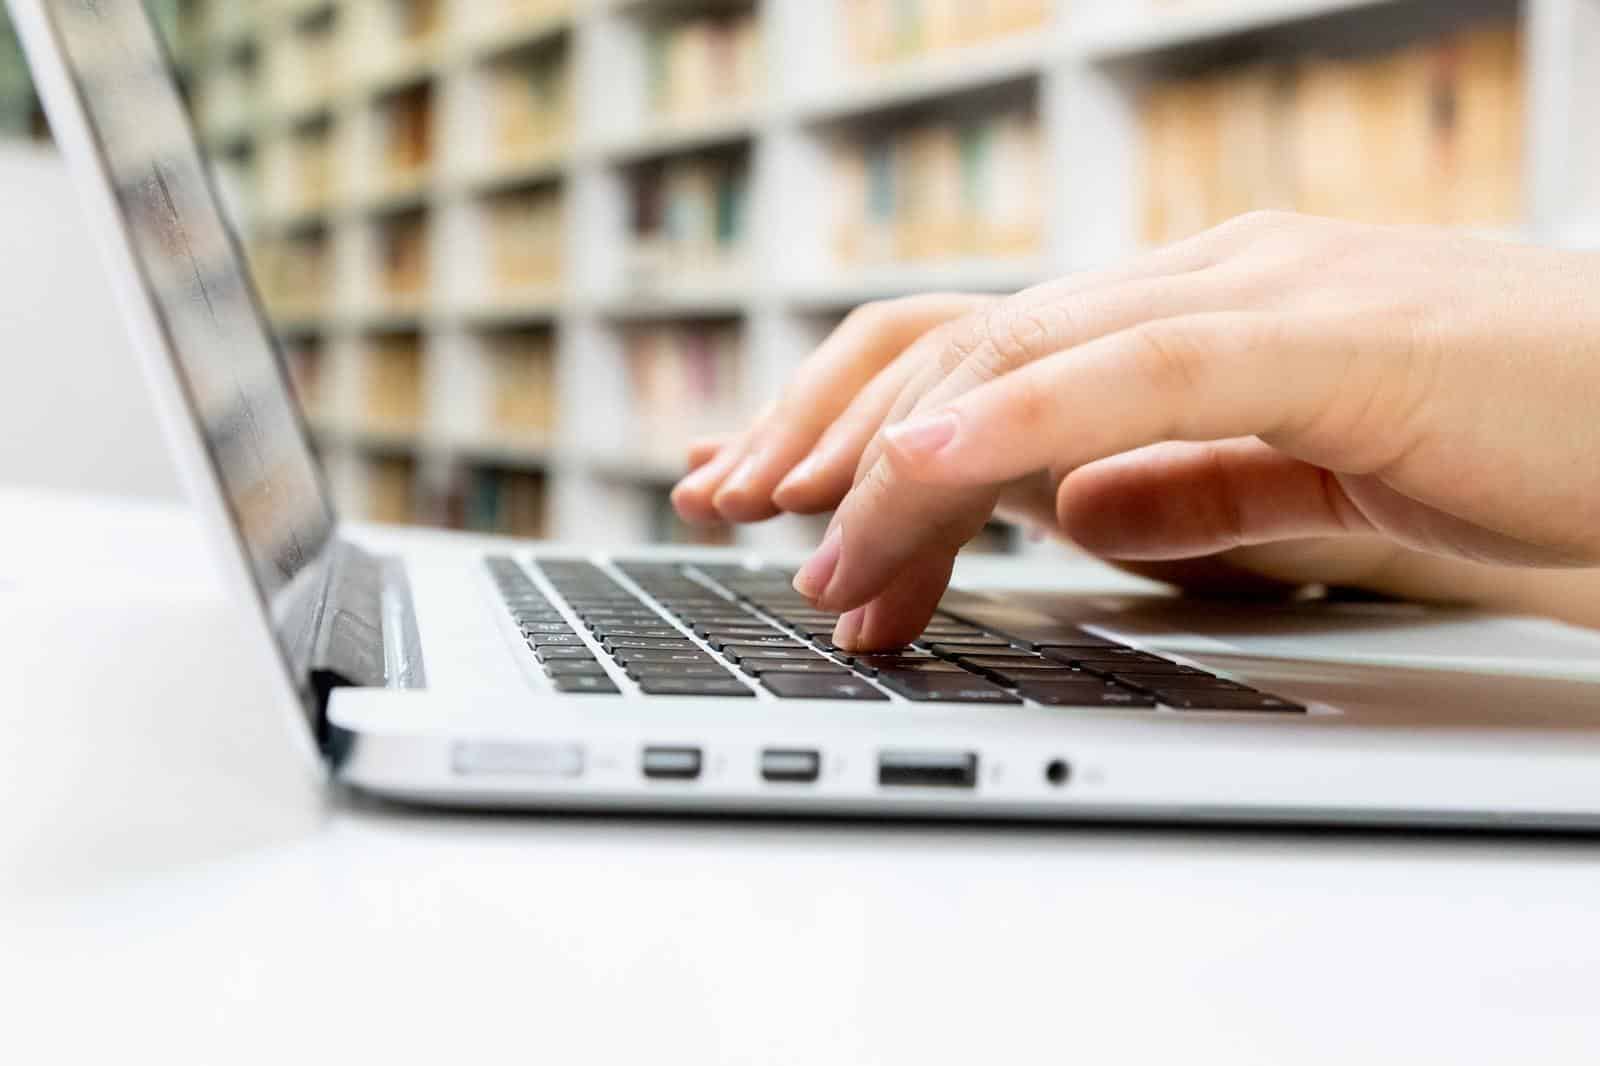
(391, 489)
(530, 97)
(314, 155)
(507, 502)
(1430, 133)
(689, 221)
(684, 381)
(406, 127)
(401, 260)
(522, 385)
(292, 271)
(876, 33)
(939, 191)
(700, 65)
(526, 232)
(393, 383)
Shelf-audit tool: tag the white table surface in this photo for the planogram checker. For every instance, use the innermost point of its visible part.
(172, 890)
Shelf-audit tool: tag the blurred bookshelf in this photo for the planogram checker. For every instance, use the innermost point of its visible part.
(521, 252)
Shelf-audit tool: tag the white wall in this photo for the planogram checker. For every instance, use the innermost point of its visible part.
(74, 412)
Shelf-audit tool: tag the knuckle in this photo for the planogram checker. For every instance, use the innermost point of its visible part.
(999, 340)
(1168, 357)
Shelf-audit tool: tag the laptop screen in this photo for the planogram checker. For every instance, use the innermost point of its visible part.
(197, 282)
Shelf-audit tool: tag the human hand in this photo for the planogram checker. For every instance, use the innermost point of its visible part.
(1431, 393)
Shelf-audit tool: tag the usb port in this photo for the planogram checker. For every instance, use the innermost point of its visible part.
(672, 764)
(799, 767)
(927, 769)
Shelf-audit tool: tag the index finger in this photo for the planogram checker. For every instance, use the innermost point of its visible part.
(1302, 382)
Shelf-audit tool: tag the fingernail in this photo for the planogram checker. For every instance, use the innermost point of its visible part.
(808, 470)
(740, 481)
(813, 578)
(918, 438)
(849, 628)
(695, 481)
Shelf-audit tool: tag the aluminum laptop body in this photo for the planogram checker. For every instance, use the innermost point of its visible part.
(526, 676)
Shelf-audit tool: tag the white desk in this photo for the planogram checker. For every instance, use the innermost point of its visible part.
(177, 894)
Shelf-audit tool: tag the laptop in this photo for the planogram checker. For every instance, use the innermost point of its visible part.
(532, 677)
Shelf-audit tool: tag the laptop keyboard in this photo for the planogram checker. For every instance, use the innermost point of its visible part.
(723, 631)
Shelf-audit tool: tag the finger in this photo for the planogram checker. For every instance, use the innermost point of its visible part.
(1201, 377)
(869, 339)
(900, 614)
(692, 496)
(1180, 501)
(703, 451)
(821, 480)
(918, 514)
(875, 536)
(986, 337)
(1048, 318)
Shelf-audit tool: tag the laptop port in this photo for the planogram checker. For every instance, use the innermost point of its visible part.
(671, 764)
(791, 766)
(927, 769)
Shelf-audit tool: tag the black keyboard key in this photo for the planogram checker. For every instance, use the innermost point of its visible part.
(1012, 662)
(1062, 676)
(1079, 694)
(874, 664)
(530, 628)
(1102, 654)
(711, 624)
(820, 687)
(694, 686)
(1159, 667)
(1229, 701)
(586, 685)
(555, 640)
(925, 687)
(1197, 682)
(621, 618)
(990, 646)
(770, 639)
(563, 652)
(628, 656)
(575, 668)
(534, 617)
(970, 651)
(639, 671)
(644, 644)
(762, 667)
(1040, 635)
(637, 633)
(738, 652)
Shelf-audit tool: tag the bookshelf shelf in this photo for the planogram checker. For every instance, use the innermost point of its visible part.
(942, 74)
(689, 136)
(481, 45)
(558, 261)
(1128, 31)
(865, 285)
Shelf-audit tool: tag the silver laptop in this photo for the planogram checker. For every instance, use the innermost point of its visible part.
(539, 678)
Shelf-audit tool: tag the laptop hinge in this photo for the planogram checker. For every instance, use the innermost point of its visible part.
(366, 634)
(347, 649)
